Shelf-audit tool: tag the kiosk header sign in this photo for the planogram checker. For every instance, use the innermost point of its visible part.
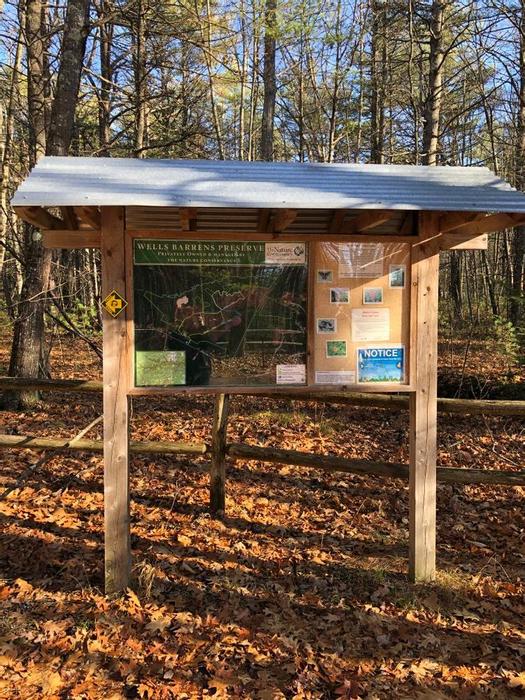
(174, 252)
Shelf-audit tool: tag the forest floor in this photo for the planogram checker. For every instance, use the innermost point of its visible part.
(299, 591)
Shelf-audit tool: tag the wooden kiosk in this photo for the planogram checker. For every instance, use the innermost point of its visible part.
(234, 277)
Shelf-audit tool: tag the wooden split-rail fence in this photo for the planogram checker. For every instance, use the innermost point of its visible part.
(220, 449)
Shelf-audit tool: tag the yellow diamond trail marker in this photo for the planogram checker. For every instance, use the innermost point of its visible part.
(114, 303)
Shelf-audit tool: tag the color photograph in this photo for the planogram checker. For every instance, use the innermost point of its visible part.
(336, 348)
(339, 295)
(326, 325)
(372, 295)
(325, 276)
(396, 276)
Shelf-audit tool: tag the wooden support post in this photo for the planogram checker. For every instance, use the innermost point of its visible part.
(218, 454)
(116, 410)
(423, 401)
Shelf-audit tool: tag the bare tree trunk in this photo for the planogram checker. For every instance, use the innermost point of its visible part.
(455, 282)
(435, 85)
(378, 87)
(106, 77)
(139, 70)
(243, 79)
(206, 39)
(6, 148)
(517, 299)
(27, 350)
(269, 81)
(333, 118)
(36, 81)
(68, 82)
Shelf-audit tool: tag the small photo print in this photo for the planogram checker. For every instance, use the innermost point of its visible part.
(396, 276)
(336, 348)
(326, 325)
(339, 295)
(325, 276)
(372, 295)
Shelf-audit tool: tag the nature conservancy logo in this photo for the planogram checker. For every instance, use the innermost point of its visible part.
(285, 253)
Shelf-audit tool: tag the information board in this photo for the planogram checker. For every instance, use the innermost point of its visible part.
(264, 313)
(219, 313)
(361, 308)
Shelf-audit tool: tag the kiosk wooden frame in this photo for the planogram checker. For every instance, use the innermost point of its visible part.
(106, 203)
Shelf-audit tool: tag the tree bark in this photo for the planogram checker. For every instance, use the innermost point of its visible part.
(140, 74)
(378, 77)
(517, 298)
(36, 82)
(8, 129)
(28, 358)
(106, 77)
(68, 81)
(269, 81)
(435, 85)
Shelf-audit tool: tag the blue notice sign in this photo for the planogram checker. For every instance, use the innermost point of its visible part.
(381, 364)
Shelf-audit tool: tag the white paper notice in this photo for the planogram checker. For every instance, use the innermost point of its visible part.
(370, 324)
(290, 374)
(361, 259)
(285, 253)
(334, 377)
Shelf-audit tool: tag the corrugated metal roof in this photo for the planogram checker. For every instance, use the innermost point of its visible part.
(198, 183)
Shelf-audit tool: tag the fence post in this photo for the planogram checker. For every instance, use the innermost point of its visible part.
(423, 400)
(218, 454)
(117, 549)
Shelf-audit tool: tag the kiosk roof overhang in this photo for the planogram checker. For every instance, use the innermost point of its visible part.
(100, 182)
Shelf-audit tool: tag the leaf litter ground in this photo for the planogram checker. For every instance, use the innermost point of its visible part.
(299, 591)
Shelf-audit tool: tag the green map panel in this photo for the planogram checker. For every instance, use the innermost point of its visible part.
(160, 367)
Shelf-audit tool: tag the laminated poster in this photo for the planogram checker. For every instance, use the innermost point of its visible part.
(219, 313)
(335, 377)
(370, 325)
(361, 260)
(160, 367)
(378, 364)
(290, 374)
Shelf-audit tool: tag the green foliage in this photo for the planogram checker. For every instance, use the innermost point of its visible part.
(85, 318)
(505, 341)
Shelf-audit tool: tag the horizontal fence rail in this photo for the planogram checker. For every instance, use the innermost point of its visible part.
(28, 442)
(486, 407)
(220, 449)
(329, 463)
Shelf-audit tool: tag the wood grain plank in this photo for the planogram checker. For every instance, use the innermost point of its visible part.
(423, 401)
(89, 215)
(218, 455)
(459, 241)
(116, 408)
(40, 217)
(71, 240)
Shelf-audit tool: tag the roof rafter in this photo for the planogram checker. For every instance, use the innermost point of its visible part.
(283, 218)
(263, 220)
(336, 220)
(488, 224)
(89, 216)
(367, 220)
(188, 218)
(39, 217)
